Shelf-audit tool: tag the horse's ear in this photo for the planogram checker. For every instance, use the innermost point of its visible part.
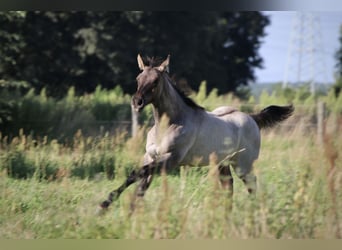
(140, 62)
(164, 66)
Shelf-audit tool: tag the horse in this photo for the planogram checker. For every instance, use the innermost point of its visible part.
(184, 132)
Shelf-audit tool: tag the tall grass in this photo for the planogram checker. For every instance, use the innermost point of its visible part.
(50, 188)
(294, 198)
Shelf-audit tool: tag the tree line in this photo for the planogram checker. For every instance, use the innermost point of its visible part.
(57, 50)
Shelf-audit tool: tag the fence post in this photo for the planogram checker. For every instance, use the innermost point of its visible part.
(320, 121)
(135, 124)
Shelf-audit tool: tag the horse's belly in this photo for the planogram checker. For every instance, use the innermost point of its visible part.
(211, 148)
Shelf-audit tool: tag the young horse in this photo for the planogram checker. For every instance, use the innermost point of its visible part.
(191, 133)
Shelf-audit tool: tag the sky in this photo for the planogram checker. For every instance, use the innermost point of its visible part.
(280, 48)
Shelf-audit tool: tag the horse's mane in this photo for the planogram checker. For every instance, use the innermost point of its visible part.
(155, 62)
(191, 103)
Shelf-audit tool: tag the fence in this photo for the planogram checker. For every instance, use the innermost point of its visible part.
(317, 122)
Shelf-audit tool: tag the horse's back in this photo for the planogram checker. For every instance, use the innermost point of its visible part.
(223, 110)
(248, 130)
(225, 131)
(231, 115)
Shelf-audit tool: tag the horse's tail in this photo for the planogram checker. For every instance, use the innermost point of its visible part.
(272, 115)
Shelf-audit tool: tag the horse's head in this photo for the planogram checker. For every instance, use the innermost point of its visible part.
(147, 81)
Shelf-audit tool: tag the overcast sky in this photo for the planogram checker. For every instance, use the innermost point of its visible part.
(282, 40)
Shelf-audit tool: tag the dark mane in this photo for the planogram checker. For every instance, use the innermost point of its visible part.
(188, 101)
(154, 61)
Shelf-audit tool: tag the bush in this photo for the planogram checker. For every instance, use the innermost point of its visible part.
(84, 157)
(41, 115)
(17, 165)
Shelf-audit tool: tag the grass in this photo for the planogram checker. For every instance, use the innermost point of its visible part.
(296, 196)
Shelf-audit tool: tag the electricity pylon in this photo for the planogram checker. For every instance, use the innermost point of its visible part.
(304, 60)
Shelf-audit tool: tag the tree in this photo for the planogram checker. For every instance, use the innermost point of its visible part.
(84, 49)
(221, 48)
(11, 41)
(44, 49)
(239, 50)
(338, 56)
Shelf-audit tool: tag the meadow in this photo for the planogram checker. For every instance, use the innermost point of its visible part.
(51, 189)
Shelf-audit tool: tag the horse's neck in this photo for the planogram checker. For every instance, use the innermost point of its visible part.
(170, 104)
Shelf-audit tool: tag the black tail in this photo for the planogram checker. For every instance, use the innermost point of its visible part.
(272, 115)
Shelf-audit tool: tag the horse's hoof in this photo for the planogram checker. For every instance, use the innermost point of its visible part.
(100, 210)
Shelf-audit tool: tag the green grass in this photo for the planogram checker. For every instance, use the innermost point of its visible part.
(51, 186)
(293, 199)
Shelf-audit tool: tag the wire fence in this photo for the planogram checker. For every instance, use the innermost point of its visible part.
(308, 121)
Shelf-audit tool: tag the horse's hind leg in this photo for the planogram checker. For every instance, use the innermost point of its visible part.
(250, 182)
(226, 178)
(244, 170)
(227, 183)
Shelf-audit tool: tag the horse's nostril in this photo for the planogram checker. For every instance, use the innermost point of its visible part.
(140, 102)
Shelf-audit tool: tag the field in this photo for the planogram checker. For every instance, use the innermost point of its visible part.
(51, 187)
(299, 192)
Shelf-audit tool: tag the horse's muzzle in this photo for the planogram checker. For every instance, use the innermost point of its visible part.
(138, 103)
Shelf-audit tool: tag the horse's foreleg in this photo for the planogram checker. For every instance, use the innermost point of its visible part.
(114, 195)
(144, 174)
(144, 183)
(146, 177)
